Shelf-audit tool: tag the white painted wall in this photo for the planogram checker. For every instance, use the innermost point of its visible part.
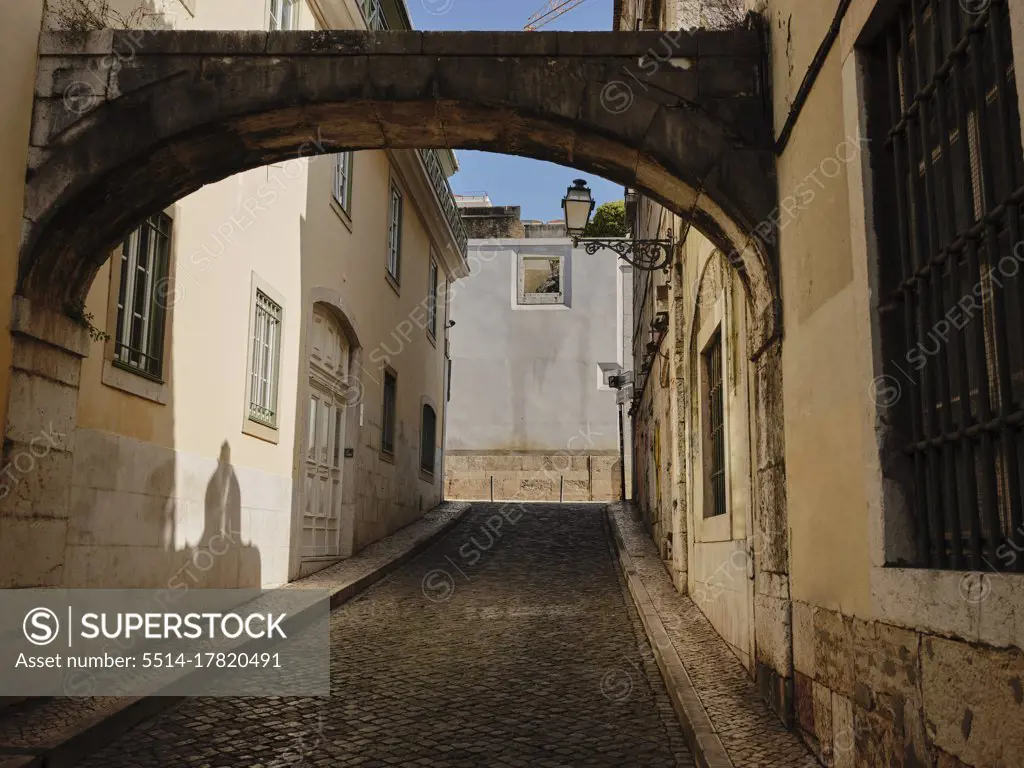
(525, 378)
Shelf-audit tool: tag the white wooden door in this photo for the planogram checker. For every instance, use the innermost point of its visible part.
(325, 438)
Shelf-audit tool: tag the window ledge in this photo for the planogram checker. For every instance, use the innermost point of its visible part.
(345, 216)
(427, 477)
(135, 384)
(432, 339)
(976, 607)
(393, 282)
(542, 307)
(387, 457)
(261, 431)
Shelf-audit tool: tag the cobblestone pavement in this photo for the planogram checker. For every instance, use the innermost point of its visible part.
(751, 734)
(510, 642)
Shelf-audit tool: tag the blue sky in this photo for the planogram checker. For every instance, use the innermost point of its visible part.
(536, 186)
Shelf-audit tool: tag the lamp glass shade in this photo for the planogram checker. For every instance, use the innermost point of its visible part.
(578, 204)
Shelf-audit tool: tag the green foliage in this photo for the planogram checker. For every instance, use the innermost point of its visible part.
(77, 312)
(609, 220)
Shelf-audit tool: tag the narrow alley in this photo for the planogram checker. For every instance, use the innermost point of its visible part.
(505, 644)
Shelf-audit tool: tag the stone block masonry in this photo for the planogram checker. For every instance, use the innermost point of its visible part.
(870, 693)
(532, 476)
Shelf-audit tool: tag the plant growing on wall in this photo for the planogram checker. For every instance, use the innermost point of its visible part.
(609, 221)
(89, 15)
(77, 312)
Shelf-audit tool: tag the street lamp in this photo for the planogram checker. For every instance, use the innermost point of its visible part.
(647, 255)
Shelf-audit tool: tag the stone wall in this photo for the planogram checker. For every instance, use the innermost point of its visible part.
(489, 222)
(391, 493)
(533, 477)
(869, 693)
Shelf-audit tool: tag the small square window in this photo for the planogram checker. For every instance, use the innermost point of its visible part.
(541, 279)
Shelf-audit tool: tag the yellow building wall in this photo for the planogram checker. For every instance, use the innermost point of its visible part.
(20, 22)
(162, 471)
(824, 387)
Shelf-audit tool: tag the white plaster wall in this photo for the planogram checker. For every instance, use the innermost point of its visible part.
(525, 378)
(144, 515)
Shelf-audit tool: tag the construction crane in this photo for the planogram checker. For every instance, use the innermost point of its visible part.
(552, 10)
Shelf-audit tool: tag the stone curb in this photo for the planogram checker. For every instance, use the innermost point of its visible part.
(700, 734)
(93, 733)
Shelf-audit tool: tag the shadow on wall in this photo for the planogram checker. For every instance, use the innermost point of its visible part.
(233, 561)
(123, 539)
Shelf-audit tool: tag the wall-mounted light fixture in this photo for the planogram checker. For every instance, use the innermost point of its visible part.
(648, 255)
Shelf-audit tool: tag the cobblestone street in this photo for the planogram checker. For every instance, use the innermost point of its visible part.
(510, 642)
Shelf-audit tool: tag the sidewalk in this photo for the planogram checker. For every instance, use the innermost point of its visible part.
(54, 732)
(724, 717)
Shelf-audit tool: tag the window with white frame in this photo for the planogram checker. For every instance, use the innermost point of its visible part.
(141, 309)
(265, 360)
(343, 180)
(373, 10)
(284, 15)
(395, 232)
(432, 299)
(541, 279)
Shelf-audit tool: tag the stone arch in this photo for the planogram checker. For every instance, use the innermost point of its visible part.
(184, 109)
(127, 122)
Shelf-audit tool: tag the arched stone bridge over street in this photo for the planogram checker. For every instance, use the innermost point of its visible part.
(126, 122)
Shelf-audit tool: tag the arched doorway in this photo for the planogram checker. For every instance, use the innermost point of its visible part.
(328, 365)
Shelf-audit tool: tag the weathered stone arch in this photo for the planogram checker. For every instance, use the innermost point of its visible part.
(127, 122)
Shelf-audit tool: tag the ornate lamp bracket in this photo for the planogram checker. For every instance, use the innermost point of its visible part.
(645, 255)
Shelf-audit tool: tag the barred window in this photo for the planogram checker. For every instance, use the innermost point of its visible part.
(343, 180)
(141, 298)
(946, 138)
(395, 232)
(265, 361)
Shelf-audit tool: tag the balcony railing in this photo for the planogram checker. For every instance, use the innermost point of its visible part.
(446, 198)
